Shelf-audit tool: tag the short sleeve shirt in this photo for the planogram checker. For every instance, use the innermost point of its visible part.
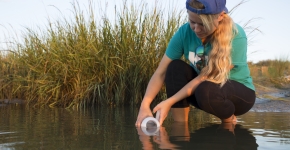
(185, 42)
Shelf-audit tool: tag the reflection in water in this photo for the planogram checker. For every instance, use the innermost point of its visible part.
(213, 136)
(46, 128)
(114, 128)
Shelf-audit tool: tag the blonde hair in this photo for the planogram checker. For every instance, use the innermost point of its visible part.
(219, 62)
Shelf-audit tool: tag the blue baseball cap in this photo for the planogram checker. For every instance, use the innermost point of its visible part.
(210, 7)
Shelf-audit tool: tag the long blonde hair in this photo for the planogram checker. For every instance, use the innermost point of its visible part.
(219, 62)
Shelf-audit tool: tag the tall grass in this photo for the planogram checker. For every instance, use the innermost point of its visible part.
(79, 61)
(271, 72)
(279, 67)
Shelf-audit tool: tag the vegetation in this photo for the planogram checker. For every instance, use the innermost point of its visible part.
(271, 72)
(87, 61)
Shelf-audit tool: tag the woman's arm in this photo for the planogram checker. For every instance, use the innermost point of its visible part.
(152, 90)
(186, 91)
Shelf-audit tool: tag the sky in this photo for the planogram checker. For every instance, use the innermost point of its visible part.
(270, 17)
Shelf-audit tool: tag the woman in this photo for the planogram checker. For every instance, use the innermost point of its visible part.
(217, 80)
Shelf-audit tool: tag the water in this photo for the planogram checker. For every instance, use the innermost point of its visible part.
(24, 128)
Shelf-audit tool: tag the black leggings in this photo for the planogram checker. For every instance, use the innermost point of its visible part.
(232, 98)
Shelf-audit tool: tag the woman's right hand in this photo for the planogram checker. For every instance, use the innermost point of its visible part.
(154, 86)
(143, 113)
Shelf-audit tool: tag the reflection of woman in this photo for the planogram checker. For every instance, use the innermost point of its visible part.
(217, 80)
(216, 137)
(213, 136)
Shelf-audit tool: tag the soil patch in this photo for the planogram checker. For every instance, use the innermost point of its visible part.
(271, 99)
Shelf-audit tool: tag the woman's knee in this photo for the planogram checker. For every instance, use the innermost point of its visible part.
(176, 65)
(179, 69)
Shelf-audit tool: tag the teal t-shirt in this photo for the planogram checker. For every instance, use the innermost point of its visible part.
(184, 42)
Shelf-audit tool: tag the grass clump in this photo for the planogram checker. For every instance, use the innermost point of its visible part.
(271, 72)
(80, 61)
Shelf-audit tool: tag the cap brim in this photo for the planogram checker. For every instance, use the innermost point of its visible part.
(226, 10)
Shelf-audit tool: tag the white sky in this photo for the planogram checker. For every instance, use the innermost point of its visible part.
(274, 20)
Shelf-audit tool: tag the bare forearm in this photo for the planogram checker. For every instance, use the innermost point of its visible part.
(153, 88)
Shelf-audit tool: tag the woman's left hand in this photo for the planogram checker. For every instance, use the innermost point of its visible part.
(163, 107)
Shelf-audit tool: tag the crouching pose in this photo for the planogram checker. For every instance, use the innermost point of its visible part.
(217, 78)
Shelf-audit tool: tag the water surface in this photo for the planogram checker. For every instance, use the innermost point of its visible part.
(24, 128)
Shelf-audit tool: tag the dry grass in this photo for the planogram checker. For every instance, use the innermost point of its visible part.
(271, 73)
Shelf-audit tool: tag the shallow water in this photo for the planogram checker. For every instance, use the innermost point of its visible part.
(113, 128)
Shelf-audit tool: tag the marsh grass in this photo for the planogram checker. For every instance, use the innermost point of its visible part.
(279, 68)
(271, 72)
(79, 61)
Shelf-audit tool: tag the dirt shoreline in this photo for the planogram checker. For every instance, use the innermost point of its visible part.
(268, 105)
(270, 99)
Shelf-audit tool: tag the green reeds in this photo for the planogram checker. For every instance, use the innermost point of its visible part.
(88, 61)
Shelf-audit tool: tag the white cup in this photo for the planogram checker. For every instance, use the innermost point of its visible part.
(150, 125)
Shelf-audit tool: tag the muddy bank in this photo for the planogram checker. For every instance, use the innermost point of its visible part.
(271, 99)
(267, 105)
